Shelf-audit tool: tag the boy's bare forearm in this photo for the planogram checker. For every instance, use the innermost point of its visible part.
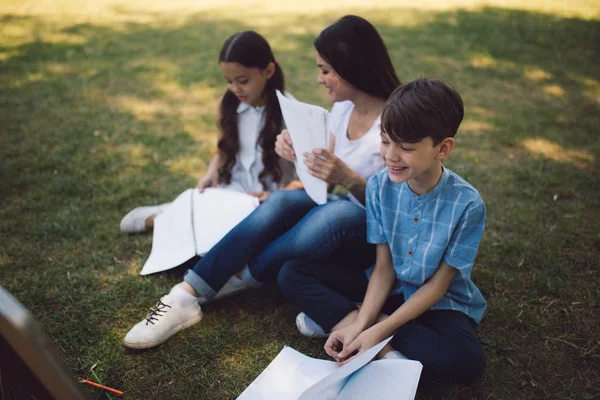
(379, 287)
(426, 296)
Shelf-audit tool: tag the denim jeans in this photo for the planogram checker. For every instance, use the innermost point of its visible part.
(444, 341)
(288, 225)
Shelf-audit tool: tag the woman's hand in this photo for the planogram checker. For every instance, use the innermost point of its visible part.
(326, 166)
(283, 146)
(262, 195)
(362, 343)
(339, 339)
(210, 180)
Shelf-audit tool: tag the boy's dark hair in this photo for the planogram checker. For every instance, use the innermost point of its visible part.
(252, 51)
(354, 49)
(426, 107)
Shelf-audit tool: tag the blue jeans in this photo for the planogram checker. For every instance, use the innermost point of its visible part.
(444, 341)
(288, 225)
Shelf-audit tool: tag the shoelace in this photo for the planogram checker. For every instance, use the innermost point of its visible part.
(157, 311)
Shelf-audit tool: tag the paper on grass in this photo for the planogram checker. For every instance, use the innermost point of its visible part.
(308, 126)
(323, 390)
(384, 379)
(193, 223)
(294, 376)
(287, 376)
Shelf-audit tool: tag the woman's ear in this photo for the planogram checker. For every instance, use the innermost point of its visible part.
(446, 148)
(269, 70)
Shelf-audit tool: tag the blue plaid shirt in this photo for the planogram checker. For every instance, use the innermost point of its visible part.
(445, 224)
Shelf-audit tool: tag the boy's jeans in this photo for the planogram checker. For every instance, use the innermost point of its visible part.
(288, 225)
(444, 341)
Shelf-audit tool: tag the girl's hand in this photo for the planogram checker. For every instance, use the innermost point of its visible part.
(362, 343)
(324, 165)
(339, 339)
(283, 146)
(262, 196)
(207, 181)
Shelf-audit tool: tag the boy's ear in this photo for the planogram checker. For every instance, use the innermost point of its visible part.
(446, 148)
(269, 70)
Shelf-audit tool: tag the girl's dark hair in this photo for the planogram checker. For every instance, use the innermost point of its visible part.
(425, 107)
(354, 49)
(252, 51)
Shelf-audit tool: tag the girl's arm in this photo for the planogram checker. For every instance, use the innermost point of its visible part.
(211, 179)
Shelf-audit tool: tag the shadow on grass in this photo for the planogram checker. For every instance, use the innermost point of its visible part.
(100, 119)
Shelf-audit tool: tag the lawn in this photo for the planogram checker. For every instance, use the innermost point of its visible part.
(108, 105)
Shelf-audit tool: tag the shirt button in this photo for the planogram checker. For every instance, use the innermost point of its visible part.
(410, 253)
(416, 219)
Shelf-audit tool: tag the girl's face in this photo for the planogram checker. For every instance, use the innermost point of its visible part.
(337, 88)
(248, 84)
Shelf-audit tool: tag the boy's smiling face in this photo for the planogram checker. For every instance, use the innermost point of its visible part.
(418, 163)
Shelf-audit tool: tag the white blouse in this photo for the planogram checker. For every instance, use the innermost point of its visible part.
(244, 174)
(362, 155)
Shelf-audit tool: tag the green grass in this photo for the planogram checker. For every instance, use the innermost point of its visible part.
(110, 105)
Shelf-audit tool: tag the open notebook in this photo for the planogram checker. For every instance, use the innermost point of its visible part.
(193, 223)
(294, 376)
(308, 126)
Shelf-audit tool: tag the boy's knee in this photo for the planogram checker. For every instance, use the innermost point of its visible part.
(467, 368)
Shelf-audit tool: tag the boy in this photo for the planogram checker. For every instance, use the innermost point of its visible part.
(427, 223)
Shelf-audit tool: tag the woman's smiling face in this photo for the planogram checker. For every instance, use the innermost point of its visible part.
(337, 88)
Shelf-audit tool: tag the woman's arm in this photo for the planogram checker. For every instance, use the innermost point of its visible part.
(326, 166)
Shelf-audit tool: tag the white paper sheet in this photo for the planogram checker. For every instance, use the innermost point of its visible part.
(309, 129)
(322, 389)
(287, 376)
(193, 223)
(384, 379)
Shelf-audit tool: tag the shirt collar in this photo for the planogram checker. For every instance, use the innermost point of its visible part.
(436, 190)
(244, 106)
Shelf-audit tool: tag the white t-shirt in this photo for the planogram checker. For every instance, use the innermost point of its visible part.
(244, 174)
(362, 155)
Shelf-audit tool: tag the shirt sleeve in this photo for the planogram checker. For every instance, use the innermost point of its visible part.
(375, 233)
(464, 243)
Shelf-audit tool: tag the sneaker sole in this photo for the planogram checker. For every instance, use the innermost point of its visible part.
(180, 327)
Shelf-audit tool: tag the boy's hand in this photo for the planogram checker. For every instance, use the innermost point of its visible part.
(324, 165)
(262, 195)
(207, 181)
(283, 146)
(340, 338)
(362, 343)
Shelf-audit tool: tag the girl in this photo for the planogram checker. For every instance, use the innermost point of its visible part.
(249, 121)
(355, 68)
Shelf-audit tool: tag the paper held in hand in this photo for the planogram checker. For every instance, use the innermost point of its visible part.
(308, 126)
(193, 223)
(294, 376)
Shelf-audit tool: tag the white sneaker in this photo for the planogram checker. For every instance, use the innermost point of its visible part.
(308, 327)
(135, 220)
(167, 318)
(232, 286)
